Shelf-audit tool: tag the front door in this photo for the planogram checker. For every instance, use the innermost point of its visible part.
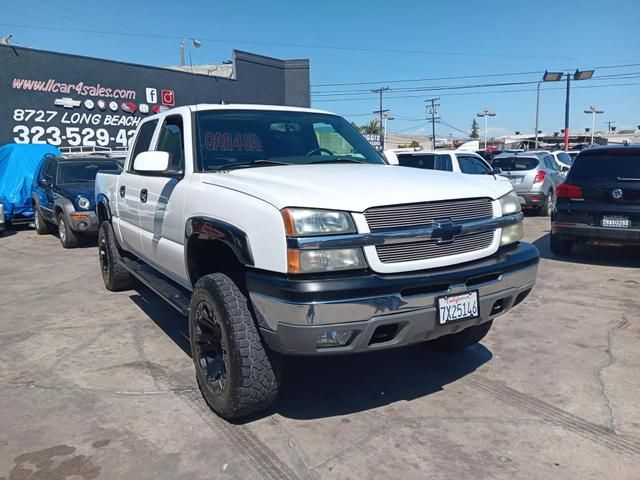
(162, 204)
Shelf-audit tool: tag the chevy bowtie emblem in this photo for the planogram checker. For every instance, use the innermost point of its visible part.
(66, 102)
(445, 231)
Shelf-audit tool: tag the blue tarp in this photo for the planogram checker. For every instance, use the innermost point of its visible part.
(18, 165)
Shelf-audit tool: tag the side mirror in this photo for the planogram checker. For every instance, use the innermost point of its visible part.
(43, 182)
(564, 169)
(151, 162)
(496, 171)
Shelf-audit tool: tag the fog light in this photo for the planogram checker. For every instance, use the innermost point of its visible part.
(512, 234)
(82, 226)
(334, 338)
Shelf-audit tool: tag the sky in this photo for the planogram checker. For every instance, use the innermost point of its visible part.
(378, 44)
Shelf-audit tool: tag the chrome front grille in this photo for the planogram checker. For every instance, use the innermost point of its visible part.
(415, 215)
(423, 214)
(411, 252)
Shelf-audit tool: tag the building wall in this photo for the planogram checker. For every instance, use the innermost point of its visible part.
(56, 98)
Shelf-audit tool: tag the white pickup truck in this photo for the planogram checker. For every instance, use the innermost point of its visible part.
(280, 230)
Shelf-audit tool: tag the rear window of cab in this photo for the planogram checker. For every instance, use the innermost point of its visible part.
(515, 164)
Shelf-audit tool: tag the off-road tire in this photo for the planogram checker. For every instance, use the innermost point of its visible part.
(559, 245)
(116, 278)
(245, 374)
(42, 227)
(68, 238)
(547, 208)
(461, 340)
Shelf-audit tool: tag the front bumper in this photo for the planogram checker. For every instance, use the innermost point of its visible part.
(532, 199)
(293, 312)
(83, 221)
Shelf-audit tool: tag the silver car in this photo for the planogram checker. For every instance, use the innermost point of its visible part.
(534, 175)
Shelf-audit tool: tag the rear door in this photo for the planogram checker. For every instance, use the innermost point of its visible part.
(553, 171)
(128, 194)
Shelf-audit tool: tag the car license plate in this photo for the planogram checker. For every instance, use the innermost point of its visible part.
(615, 222)
(453, 308)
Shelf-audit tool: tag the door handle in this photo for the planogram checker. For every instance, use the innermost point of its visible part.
(143, 195)
(122, 191)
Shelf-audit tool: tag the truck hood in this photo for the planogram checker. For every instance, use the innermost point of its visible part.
(354, 187)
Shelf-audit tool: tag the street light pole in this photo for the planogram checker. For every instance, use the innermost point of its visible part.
(557, 76)
(486, 113)
(593, 111)
(566, 115)
(196, 43)
(537, 111)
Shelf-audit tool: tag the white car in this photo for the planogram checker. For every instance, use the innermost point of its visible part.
(446, 160)
(280, 230)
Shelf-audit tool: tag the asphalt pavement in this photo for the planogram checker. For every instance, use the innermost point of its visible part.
(96, 384)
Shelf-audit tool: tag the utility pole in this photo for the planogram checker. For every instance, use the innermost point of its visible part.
(380, 91)
(609, 125)
(432, 110)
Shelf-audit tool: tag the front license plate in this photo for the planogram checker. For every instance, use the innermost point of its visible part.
(615, 222)
(453, 308)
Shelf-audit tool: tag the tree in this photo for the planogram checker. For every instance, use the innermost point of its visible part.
(413, 144)
(474, 129)
(373, 127)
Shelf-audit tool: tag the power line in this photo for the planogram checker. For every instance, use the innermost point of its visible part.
(391, 97)
(299, 45)
(460, 77)
(339, 93)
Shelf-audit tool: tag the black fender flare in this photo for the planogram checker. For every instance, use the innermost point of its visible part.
(101, 199)
(207, 228)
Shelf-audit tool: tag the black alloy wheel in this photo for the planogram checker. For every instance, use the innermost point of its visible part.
(210, 349)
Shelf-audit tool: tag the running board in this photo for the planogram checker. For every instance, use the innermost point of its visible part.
(172, 293)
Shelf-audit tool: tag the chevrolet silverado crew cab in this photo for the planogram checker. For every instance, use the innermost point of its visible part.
(280, 230)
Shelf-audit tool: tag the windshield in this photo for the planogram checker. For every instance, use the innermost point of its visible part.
(514, 164)
(228, 138)
(84, 171)
(607, 165)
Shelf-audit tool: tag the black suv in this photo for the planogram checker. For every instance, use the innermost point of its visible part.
(599, 202)
(63, 194)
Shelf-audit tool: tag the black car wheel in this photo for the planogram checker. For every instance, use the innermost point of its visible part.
(235, 372)
(42, 227)
(461, 340)
(560, 245)
(116, 278)
(68, 237)
(547, 208)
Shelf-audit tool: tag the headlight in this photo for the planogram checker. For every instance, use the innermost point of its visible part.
(306, 222)
(313, 261)
(84, 203)
(510, 203)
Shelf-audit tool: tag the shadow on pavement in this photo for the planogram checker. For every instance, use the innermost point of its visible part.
(174, 325)
(592, 255)
(338, 385)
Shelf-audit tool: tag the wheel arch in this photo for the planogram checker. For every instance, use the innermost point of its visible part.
(213, 245)
(103, 210)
